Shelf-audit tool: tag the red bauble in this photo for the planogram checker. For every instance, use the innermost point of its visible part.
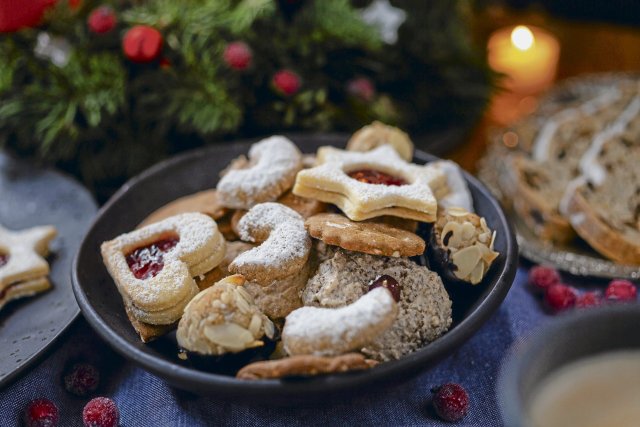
(17, 14)
(237, 55)
(286, 82)
(362, 88)
(142, 44)
(101, 20)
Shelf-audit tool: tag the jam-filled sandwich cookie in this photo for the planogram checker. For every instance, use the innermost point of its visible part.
(368, 237)
(223, 319)
(271, 170)
(284, 243)
(154, 267)
(377, 134)
(461, 246)
(372, 184)
(23, 270)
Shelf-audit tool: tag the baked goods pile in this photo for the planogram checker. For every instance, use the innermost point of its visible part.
(572, 167)
(23, 269)
(302, 265)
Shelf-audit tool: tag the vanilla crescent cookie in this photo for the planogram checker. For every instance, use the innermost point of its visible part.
(350, 181)
(23, 269)
(376, 134)
(271, 170)
(284, 248)
(458, 194)
(334, 331)
(154, 267)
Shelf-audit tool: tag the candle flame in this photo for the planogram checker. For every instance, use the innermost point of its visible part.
(522, 37)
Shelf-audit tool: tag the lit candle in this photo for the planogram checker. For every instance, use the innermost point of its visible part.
(528, 55)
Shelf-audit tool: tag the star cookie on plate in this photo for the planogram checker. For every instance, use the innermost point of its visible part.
(372, 184)
(23, 269)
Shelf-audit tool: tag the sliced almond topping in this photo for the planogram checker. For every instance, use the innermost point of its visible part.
(466, 260)
(468, 230)
(225, 297)
(255, 325)
(269, 329)
(476, 275)
(245, 295)
(451, 235)
(241, 303)
(229, 335)
(457, 212)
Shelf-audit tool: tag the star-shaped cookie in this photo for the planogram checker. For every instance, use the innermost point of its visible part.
(23, 269)
(414, 198)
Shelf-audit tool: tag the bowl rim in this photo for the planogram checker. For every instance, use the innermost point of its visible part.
(523, 353)
(215, 383)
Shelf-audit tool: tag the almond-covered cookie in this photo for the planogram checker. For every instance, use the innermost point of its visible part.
(461, 246)
(223, 319)
(376, 238)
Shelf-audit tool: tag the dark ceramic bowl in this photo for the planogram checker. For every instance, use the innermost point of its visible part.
(198, 170)
(575, 336)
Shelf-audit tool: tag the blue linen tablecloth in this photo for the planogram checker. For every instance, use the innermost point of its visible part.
(145, 400)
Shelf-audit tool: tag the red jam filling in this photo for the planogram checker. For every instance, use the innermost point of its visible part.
(4, 258)
(371, 176)
(148, 261)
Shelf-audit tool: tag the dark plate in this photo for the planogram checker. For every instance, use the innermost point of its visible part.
(102, 306)
(31, 196)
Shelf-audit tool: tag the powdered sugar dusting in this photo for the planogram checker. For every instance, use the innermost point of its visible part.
(275, 162)
(287, 238)
(333, 331)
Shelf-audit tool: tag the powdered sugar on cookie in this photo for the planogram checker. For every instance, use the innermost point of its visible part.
(273, 164)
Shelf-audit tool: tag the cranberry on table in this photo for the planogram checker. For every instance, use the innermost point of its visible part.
(41, 413)
(542, 276)
(450, 401)
(101, 412)
(560, 297)
(81, 379)
(390, 283)
(621, 291)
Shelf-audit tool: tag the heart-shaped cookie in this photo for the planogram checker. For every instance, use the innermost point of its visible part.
(154, 267)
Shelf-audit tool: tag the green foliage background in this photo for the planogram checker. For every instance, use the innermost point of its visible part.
(104, 118)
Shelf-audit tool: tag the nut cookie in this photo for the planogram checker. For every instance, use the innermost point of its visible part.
(305, 366)
(272, 168)
(223, 319)
(23, 269)
(424, 309)
(367, 237)
(206, 202)
(461, 246)
(376, 134)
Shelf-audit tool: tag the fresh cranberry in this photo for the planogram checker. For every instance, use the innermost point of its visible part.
(371, 176)
(101, 412)
(560, 297)
(4, 258)
(102, 20)
(81, 379)
(390, 283)
(450, 401)
(41, 413)
(588, 299)
(621, 291)
(541, 277)
(147, 261)
(237, 55)
(286, 82)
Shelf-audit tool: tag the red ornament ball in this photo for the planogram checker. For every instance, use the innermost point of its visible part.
(560, 297)
(238, 55)
(142, 44)
(101, 412)
(621, 291)
(450, 401)
(101, 20)
(286, 82)
(41, 413)
(362, 88)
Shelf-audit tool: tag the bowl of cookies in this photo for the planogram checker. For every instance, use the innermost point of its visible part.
(289, 269)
